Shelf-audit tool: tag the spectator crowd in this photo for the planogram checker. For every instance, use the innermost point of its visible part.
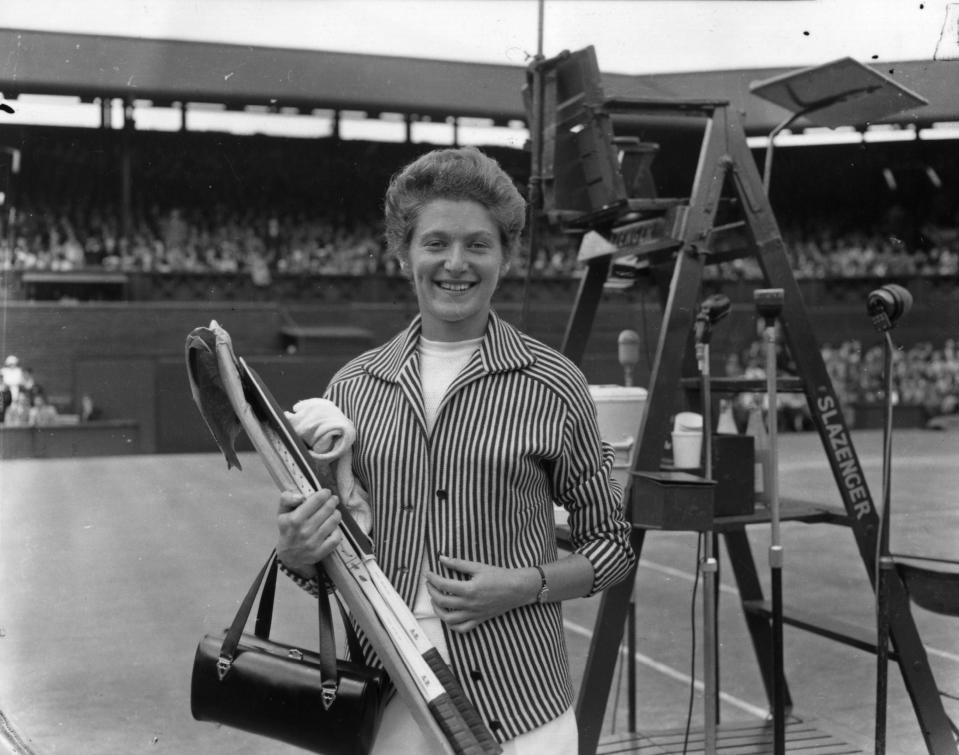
(208, 203)
(262, 242)
(923, 375)
(23, 402)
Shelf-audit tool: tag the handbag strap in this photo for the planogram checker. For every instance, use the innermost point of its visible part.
(263, 624)
(232, 639)
(352, 641)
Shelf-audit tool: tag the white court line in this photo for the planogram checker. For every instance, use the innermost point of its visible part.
(679, 676)
(669, 571)
(680, 574)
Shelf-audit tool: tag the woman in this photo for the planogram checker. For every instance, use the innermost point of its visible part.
(467, 434)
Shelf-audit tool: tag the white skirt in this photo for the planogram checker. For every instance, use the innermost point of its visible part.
(400, 734)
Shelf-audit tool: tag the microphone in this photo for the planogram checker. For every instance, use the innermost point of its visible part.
(887, 304)
(628, 354)
(716, 307)
(713, 309)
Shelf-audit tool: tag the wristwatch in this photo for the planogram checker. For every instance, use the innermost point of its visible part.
(543, 595)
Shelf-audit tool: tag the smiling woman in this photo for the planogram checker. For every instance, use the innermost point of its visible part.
(468, 434)
(453, 220)
(455, 259)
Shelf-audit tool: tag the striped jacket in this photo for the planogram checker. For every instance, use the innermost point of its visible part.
(515, 433)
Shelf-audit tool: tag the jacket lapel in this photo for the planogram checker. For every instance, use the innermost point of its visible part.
(502, 350)
(397, 362)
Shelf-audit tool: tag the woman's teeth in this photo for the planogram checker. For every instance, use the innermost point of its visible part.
(448, 286)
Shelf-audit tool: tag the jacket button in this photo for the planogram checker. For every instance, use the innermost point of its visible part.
(403, 569)
(442, 495)
(476, 676)
(495, 725)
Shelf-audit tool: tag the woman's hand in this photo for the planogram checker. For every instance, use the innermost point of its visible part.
(489, 591)
(309, 530)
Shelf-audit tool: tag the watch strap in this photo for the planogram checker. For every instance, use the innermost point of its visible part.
(544, 587)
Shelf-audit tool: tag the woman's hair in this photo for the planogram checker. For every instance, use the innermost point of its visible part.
(463, 174)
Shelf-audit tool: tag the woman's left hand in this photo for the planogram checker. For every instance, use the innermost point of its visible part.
(488, 591)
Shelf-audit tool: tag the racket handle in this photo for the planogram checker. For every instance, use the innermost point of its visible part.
(457, 732)
(458, 696)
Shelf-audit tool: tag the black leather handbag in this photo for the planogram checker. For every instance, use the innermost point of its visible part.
(307, 699)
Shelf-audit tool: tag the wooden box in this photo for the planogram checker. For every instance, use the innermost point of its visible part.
(672, 501)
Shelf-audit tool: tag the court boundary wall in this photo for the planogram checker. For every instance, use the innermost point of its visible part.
(129, 356)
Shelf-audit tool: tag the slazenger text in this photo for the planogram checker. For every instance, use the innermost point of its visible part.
(852, 477)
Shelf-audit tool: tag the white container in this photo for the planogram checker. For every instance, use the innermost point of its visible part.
(687, 449)
(688, 422)
(619, 410)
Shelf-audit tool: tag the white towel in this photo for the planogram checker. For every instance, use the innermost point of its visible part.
(329, 434)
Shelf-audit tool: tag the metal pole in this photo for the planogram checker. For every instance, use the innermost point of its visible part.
(775, 548)
(884, 562)
(536, 160)
(769, 302)
(628, 355)
(709, 568)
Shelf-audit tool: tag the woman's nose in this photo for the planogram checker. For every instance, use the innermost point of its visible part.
(456, 259)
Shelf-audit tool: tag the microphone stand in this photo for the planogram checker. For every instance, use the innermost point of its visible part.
(885, 306)
(628, 356)
(769, 304)
(709, 565)
(884, 562)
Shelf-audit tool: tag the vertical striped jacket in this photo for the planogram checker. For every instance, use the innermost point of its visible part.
(515, 434)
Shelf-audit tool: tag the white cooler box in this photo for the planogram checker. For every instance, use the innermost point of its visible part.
(619, 410)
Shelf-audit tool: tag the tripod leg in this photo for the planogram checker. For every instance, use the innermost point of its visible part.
(779, 696)
(603, 651)
(882, 656)
(750, 591)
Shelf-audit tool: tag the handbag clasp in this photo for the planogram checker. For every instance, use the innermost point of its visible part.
(223, 666)
(328, 694)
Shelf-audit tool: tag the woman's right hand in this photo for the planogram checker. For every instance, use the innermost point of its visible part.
(309, 530)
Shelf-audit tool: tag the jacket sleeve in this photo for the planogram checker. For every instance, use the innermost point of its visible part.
(584, 486)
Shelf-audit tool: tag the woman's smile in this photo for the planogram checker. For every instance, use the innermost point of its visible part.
(455, 286)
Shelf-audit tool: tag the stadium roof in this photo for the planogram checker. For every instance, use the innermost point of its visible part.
(238, 76)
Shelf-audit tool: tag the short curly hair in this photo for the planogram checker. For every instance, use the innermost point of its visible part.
(459, 174)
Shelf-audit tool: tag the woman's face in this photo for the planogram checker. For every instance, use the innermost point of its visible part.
(455, 261)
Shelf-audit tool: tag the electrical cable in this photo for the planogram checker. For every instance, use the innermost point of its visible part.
(692, 652)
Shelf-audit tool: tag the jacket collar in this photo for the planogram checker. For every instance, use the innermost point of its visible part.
(503, 349)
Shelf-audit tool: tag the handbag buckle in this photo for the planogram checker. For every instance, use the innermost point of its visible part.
(223, 666)
(328, 694)
(294, 654)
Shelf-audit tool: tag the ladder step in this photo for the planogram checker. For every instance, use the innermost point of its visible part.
(621, 211)
(731, 739)
(833, 629)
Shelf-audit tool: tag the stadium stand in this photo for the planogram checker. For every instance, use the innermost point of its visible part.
(124, 240)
